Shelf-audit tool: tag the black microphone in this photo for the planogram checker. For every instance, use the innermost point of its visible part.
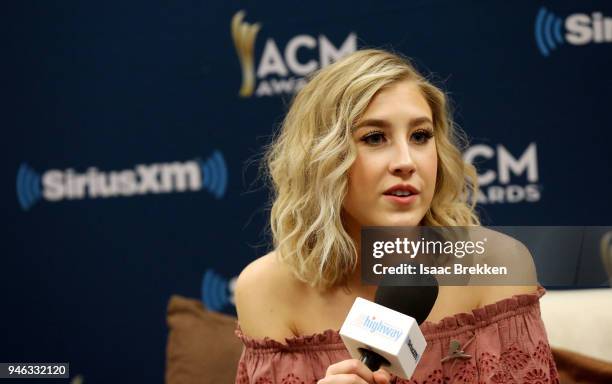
(415, 301)
(386, 332)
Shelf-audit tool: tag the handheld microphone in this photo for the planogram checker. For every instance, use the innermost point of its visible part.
(382, 334)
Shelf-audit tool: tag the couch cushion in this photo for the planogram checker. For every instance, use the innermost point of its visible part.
(574, 367)
(579, 320)
(202, 347)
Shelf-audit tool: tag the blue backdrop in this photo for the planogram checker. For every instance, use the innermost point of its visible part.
(127, 145)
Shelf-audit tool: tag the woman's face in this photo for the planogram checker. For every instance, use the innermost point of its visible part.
(392, 181)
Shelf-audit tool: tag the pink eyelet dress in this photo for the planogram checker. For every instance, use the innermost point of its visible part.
(504, 342)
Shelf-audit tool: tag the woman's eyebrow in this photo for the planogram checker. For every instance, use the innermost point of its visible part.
(380, 123)
(420, 121)
(372, 123)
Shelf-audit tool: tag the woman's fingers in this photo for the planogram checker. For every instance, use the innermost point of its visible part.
(351, 366)
(382, 377)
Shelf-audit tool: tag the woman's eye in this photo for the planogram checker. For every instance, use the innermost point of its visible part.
(422, 136)
(375, 138)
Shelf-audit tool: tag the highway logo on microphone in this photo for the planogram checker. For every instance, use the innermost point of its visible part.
(56, 185)
(378, 326)
(551, 31)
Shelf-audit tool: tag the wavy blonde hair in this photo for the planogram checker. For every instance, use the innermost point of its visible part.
(308, 161)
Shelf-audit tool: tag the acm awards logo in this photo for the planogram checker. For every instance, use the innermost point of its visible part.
(56, 185)
(513, 180)
(551, 31)
(278, 73)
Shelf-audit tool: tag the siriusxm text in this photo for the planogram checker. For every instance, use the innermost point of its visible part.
(142, 179)
(584, 29)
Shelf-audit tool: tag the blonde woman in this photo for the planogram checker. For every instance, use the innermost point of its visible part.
(369, 142)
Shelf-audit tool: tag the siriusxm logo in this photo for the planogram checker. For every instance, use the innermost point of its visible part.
(56, 185)
(380, 327)
(217, 291)
(580, 29)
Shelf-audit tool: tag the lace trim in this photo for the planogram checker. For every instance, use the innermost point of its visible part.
(449, 325)
(480, 317)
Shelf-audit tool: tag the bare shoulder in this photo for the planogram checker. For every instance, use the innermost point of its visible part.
(505, 250)
(264, 296)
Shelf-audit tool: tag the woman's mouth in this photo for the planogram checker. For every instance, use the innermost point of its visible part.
(402, 194)
(400, 199)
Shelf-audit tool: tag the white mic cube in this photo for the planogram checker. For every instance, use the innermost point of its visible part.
(389, 333)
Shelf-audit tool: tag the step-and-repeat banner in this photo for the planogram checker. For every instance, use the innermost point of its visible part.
(132, 133)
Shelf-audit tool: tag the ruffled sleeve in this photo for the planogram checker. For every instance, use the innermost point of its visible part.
(301, 359)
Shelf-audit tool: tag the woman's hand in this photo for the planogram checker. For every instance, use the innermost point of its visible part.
(353, 371)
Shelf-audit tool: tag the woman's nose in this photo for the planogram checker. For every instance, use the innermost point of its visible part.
(401, 162)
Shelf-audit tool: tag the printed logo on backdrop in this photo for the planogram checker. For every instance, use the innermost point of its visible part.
(552, 31)
(514, 177)
(278, 70)
(217, 291)
(57, 185)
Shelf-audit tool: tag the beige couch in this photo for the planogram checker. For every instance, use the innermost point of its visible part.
(579, 320)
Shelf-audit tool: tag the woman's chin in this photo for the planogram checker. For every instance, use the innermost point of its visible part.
(400, 222)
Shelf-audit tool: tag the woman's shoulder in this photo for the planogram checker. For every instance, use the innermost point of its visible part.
(507, 253)
(266, 272)
(503, 250)
(266, 296)
(263, 266)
